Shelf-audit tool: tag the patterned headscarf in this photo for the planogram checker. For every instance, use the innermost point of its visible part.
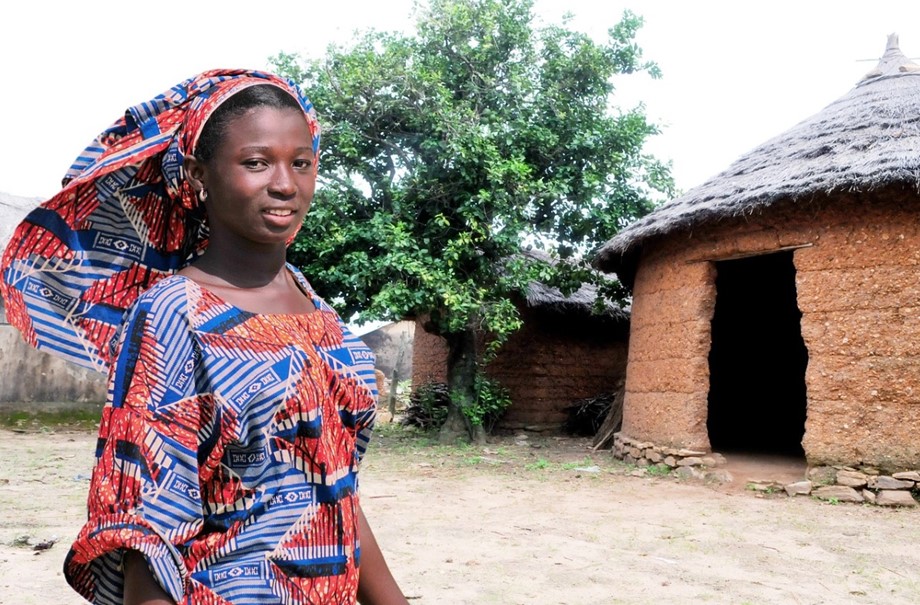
(125, 218)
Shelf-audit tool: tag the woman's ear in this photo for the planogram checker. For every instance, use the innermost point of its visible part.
(194, 172)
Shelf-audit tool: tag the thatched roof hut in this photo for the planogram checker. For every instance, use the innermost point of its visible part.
(864, 141)
(775, 306)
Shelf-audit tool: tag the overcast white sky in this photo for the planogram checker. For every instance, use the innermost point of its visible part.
(735, 73)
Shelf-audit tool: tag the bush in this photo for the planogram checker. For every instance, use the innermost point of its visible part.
(492, 399)
(427, 407)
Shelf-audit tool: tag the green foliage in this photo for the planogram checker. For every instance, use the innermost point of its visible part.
(448, 152)
(429, 404)
(490, 402)
(539, 465)
(403, 394)
(658, 470)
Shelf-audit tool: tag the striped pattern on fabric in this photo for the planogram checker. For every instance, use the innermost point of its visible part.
(229, 462)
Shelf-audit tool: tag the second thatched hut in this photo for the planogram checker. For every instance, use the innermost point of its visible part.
(564, 354)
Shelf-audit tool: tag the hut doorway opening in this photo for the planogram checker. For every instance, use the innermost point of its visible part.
(757, 399)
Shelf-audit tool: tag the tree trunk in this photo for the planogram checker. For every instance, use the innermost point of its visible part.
(394, 381)
(461, 382)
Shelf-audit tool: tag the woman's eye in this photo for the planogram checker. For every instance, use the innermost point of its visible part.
(254, 163)
(302, 163)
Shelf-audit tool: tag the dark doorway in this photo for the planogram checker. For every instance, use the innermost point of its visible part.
(757, 361)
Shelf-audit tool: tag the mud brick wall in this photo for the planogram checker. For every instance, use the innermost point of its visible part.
(667, 378)
(555, 361)
(858, 290)
(429, 357)
(858, 287)
(552, 362)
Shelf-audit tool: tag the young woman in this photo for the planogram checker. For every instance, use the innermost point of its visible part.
(239, 404)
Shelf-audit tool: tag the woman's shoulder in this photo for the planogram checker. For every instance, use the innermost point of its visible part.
(301, 278)
(308, 288)
(172, 288)
(171, 299)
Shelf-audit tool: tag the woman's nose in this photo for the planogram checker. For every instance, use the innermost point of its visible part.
(283, 182)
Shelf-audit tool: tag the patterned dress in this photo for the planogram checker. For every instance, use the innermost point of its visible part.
(228, 454)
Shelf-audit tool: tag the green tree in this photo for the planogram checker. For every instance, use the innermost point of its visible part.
(449, 151)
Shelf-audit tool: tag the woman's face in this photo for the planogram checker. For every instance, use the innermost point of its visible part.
(261, 178)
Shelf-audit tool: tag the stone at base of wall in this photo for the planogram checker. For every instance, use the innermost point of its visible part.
(864, 484)
(642, 453)
(829, 483)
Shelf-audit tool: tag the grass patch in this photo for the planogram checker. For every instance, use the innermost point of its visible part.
(767, 489)
(413, 443)
(538, 465)
(82, 418)
(502, 453)
(658, 470)
(586, 462)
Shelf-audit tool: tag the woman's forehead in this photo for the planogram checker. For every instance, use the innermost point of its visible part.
(267, 124)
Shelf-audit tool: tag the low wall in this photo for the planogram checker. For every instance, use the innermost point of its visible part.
(29, 377)
(865, 484)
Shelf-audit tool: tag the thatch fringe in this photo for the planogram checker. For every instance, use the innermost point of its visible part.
(581, 301)
(866, 140)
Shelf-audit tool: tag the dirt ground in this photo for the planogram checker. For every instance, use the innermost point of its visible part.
(535, 520)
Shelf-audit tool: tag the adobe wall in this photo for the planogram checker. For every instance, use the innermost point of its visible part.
(554, 362)
(858, 288)
(547, 366)
(429, 357)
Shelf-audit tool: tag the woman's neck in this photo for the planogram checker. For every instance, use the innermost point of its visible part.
(242, 267)
(250, 283)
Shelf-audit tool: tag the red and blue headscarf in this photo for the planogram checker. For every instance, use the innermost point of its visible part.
(125, 218)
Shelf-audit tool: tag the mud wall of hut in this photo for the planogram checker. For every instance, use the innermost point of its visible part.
(555, 361)
(548, 365)
(858, 288)
(392, 345)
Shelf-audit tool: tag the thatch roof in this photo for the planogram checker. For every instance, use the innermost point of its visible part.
(580, 302)
(541, 296)
(868, 139)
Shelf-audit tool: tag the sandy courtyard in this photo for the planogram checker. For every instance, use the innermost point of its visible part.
(527, 521)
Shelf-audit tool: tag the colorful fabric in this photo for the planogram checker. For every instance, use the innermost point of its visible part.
(228, 453)
(125, 219)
